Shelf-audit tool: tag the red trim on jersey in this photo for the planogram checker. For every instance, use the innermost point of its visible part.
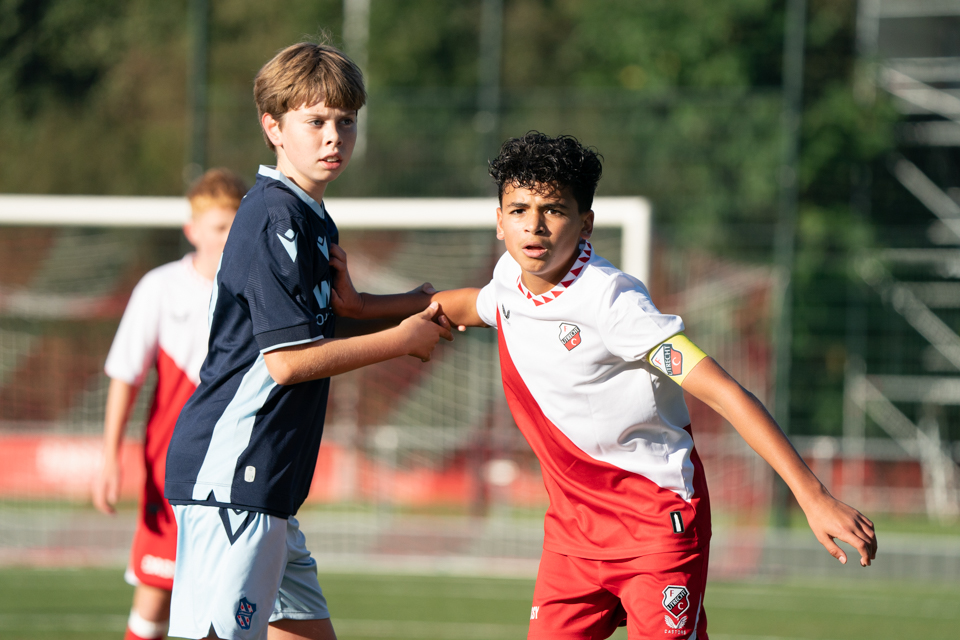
(156, 534)
(598, 510)
(586, 250)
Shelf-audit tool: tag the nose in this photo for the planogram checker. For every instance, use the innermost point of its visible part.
(535, 223)
(333, 137)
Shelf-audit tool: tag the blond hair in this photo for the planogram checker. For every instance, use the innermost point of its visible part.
(307, 74)
(216, 188)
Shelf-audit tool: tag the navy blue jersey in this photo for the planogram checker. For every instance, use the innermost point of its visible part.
(242, 440)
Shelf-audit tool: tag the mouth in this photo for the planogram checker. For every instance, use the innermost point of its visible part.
(331, 162)
(533, 250)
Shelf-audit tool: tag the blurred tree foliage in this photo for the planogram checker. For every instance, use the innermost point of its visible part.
(682, 97)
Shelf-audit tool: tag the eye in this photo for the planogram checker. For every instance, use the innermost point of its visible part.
(347, 121)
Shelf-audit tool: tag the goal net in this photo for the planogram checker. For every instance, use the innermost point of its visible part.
(419, 460)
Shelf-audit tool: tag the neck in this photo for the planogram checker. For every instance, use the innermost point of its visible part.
(538, 284)
(206, 266)
(313, 188)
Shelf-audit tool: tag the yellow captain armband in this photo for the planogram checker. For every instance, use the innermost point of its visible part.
(676, 356)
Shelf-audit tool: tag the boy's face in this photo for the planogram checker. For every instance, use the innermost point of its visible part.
(208, 231)
(313, 144)
(542, 229)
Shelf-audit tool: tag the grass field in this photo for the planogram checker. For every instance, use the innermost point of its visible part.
(85, 604)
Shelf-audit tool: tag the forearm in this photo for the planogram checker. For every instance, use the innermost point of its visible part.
(460, 306)
(334, 356)
(756, 426)
(120, 399)
(395, 306)
(828, 517)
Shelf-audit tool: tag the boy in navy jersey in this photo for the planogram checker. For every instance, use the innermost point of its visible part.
(594, 375)
(245, 446)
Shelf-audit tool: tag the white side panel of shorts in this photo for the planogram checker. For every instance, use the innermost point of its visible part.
(212, 575)
(300, 596)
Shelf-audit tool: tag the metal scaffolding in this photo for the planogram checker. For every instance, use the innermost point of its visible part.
(908, 50)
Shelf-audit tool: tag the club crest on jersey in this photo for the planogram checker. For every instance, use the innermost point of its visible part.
(245, 613)
(570, 335)
(668, 360)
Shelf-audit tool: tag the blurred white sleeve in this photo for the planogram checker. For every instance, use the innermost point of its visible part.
(134, 348)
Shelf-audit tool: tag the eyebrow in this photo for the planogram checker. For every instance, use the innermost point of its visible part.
(319, 114)
(557, 204)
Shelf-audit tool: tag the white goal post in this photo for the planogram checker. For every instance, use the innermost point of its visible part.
(630, 214)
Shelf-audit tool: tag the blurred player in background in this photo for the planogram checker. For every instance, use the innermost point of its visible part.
(594, 375)
(164, 325)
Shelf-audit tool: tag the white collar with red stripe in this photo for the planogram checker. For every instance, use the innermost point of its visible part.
(586, 250)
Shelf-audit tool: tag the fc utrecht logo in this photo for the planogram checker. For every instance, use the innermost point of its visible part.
(569, 335)
(676, 600)
(668, 360)
(245, 613)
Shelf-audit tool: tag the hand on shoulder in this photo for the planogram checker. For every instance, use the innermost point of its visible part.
(346, 301)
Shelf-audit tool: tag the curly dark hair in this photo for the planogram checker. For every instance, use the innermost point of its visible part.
(537, 161)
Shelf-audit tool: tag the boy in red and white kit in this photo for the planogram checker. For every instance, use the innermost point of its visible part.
(594, 375)
(164, 325)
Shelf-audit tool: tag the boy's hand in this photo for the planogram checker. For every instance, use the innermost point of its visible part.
(423, 330)
(347, 303)
(829, 518)
(106, 486)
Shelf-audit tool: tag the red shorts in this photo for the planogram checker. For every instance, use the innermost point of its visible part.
(154, 552)
(658, 595)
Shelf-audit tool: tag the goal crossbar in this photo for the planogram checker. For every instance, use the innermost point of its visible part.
(630, 214)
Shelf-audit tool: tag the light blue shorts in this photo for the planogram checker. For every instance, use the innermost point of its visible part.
(237, 571)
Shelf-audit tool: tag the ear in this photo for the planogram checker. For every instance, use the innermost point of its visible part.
(190, 232)
(587, 229)
(499, 223)
(271, 127)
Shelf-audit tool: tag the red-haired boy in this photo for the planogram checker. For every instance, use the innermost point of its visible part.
(165, 327)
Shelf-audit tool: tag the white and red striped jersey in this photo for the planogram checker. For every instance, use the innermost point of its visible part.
(612, 432)
(164, 325)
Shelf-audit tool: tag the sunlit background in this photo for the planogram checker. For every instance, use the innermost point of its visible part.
(800, 159)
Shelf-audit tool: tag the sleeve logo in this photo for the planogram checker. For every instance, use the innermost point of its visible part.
(668, 360)
(570, 336)
(289, 242)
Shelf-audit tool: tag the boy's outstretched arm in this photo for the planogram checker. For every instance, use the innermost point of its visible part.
(348, 303)
(460, 307)
(828, 517)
